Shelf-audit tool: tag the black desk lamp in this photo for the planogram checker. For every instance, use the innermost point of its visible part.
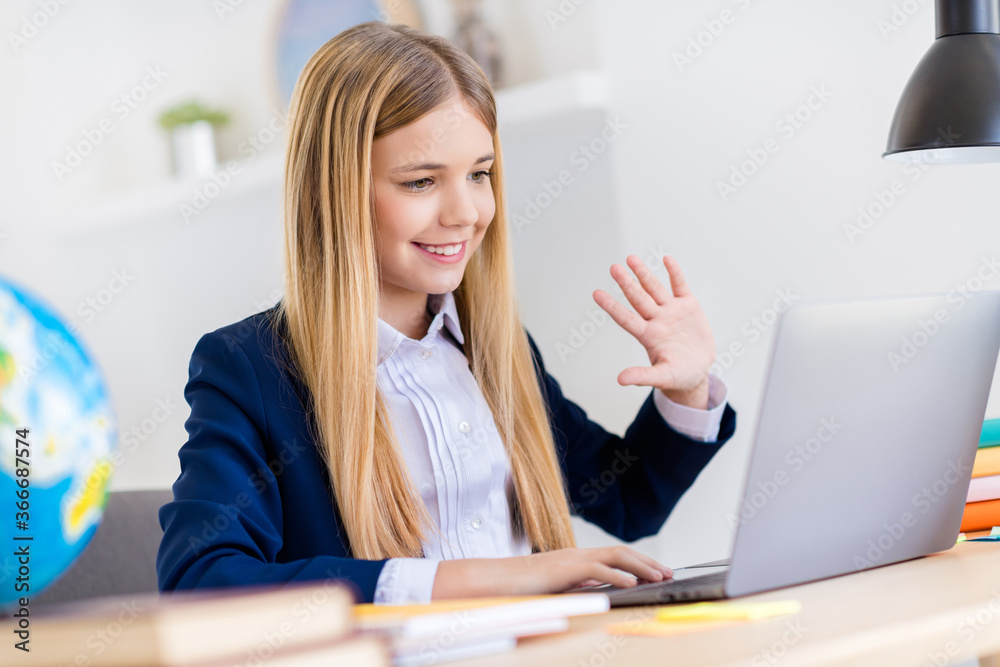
(949, 112)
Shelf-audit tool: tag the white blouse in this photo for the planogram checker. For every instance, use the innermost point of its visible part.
(454, 452)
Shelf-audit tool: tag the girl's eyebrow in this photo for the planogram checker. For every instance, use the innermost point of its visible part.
(430, 166)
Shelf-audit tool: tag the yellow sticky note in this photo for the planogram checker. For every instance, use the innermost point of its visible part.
(665, 629)
(715, 611)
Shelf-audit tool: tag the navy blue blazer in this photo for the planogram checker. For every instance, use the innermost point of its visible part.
(253, 502)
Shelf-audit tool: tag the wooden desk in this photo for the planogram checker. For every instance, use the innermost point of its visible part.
(937, 610)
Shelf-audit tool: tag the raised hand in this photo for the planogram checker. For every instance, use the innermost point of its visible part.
(672, 327)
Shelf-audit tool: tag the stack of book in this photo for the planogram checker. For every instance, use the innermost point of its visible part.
(307, 624)
(982, 508)
(448, 630)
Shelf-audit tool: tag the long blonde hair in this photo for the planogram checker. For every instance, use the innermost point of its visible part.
(366, 82)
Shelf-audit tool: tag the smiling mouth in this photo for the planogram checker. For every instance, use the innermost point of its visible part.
(440, 253)
(444, 250)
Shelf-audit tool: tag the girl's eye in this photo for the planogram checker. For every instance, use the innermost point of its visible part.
(418, 185)
(480, 176)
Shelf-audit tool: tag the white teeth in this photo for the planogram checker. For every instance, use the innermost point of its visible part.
(446, 250)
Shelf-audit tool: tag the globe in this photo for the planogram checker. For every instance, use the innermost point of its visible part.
(57, 435)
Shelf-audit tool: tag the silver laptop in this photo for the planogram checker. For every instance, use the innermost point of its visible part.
(868, 427)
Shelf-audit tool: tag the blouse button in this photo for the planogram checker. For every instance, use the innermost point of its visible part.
(426, 354)
(476, 523)
(463, 427)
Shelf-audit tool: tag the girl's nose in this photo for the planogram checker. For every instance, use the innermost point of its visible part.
(459, 208)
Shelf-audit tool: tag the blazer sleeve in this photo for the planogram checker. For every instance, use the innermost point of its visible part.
(626, 485)
(224, 526)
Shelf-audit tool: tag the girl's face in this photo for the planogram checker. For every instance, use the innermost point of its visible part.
(432, 188)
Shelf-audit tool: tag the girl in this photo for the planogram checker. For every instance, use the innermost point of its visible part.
(424, 453)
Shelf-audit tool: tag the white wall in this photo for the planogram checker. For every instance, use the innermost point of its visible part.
(655, 188)
(783, 229)
(106, 243)
(116, 214)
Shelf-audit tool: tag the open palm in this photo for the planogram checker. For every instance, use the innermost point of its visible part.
(672, 327)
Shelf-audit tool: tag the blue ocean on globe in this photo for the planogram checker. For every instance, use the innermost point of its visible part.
(49, 386)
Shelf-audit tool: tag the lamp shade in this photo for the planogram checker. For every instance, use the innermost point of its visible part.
(950, 109)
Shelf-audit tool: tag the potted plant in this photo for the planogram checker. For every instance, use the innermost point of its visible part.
(192, 132)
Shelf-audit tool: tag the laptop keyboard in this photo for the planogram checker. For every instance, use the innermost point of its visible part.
(703, 587)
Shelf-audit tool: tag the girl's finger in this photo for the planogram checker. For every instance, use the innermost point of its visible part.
(602, 572)
(625, 318)
(649, 281)
(644, 570)
(644, 376)
(652, 562)
(634, 292)
(677, 281)
(639, 565)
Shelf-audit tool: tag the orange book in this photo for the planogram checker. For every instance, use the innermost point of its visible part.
(987, 462)
(981, 516)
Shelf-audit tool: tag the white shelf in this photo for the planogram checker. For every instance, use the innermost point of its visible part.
(163, 199)
(517, 105)
(539, 100)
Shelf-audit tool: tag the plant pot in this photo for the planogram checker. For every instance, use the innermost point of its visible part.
(194, 149)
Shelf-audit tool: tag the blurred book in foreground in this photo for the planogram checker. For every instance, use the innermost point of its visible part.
(292, 625)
